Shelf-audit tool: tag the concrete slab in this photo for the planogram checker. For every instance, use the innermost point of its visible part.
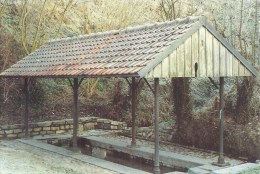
(84, 158)
(169, 159)
(236, 169)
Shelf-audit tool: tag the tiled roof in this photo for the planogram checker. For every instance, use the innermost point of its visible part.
(118, 53)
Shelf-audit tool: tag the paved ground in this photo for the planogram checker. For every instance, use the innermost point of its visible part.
(18, 158)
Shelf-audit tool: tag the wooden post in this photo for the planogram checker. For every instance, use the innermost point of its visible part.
(221, 160)
(26, 111)
(221, 106)
(75, 112)
(156, 126)
(133, 90)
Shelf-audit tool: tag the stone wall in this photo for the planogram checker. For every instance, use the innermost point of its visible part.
(165, 133)
(59, 126)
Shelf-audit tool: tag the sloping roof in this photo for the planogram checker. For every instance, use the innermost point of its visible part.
(123, 53)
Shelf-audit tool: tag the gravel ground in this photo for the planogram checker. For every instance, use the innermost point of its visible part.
(18, 158)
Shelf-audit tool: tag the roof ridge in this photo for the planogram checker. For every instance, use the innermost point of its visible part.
(165, 23)
(129, 29)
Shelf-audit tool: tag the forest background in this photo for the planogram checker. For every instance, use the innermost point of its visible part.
(188, 105)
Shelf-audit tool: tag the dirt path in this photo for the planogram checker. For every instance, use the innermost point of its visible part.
(18, 158)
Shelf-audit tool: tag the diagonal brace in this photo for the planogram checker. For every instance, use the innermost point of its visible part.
(148, 84)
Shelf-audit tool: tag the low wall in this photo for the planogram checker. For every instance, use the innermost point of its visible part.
(59, 126)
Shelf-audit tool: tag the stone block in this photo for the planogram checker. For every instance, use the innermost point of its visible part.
(45, 124)
(37, 129)
(120, 127)
(67, 126)
(71, 126)
(35, 133)
(68, 121)
(18, 131)
(51, 132)
(2, 132)
(9, 131)
(4, 127)
(55, 128)
(58, 122)
(46, 128)
(32, 125)
(89, 126)
(16, 126)
(11, 135)
(2, 136)
(60, 131)
(92, 119)
(107, 126)
(101, 120)
(107, 121)
(62, 127)
(113, 127)
(84, 119)
(115, 123)
(80, 127)
(100, 125)
(21, 135)
(43, 132)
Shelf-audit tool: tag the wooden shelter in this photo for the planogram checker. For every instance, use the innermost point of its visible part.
(187, 47)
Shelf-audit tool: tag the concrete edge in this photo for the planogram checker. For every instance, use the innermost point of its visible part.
(169, 159)
(83, 158)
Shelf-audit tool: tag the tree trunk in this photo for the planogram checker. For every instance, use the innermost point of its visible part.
(182, 107)
(244, 94)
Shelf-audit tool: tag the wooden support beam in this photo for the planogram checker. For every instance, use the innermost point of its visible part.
(148, 84)
(156, 126)
(75, 87)
(26, 111)
(134, 97)
(212, 81)
(221, 103)
(221, 160)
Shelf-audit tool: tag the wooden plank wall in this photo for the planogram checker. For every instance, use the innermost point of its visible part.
(203, 49)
